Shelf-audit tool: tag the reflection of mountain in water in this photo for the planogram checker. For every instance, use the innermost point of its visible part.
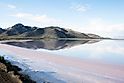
(51, 44)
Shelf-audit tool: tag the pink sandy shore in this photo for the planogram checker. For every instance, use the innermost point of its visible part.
(69, 69)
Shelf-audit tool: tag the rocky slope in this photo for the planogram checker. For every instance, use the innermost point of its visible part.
(2, 30)
(47, 32)
(10, 73)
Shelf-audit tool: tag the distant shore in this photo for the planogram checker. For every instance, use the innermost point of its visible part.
(38, 38)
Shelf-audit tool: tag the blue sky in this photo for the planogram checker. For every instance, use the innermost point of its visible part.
(103, 17)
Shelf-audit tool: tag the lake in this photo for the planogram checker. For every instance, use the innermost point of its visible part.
(69, 61)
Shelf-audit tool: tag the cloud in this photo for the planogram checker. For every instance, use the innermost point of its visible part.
(100, 27)
(11, 6)
(80, 8)
(22, 15)
(35, 18)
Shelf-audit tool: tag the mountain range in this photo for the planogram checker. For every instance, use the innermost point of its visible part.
(20, 30)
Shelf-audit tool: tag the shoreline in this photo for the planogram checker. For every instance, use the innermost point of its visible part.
(39, 38)
(66, 68)
(12, 73)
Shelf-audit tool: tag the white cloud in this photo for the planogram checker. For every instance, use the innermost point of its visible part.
(100, 27)
(36, 18)
(80, 8)
(22, 15)
(11, 6)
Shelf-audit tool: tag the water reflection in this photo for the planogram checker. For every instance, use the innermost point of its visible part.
(51, 44)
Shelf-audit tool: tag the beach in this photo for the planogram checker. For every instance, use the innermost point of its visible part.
(11, 73)
(43, 66)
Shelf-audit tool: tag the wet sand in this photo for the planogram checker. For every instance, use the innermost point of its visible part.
(68, 69)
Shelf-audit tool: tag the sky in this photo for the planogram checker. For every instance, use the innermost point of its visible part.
(102, 17)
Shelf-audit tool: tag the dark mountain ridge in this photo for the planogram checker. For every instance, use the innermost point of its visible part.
(2, 30)
(21, 30)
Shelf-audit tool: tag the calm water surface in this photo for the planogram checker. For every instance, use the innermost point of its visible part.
(108, 51)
